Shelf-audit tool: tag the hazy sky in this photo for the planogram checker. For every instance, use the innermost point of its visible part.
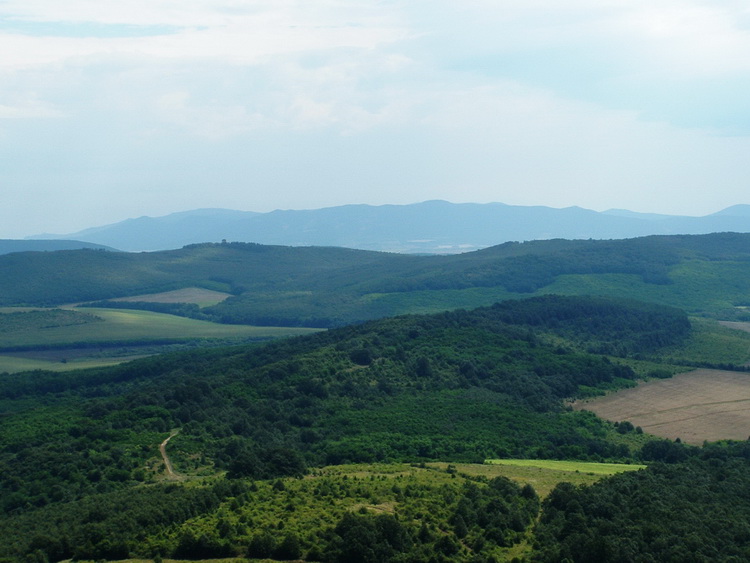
(112, 109)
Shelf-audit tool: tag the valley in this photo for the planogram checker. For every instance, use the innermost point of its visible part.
(374, 282)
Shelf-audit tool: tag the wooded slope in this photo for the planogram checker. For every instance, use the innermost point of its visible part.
(323, 287)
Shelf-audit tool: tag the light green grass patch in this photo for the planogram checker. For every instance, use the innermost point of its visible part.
(104, 337)
(141, 326)
(572, 466)
(199, 296)
(11, 364)
(711, 342)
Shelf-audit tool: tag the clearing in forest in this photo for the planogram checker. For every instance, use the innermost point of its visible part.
(196, 295)
(594, 468)
(701, 405)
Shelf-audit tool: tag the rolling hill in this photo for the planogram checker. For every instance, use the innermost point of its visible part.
(459, 386)
(82, 476)
(324, 287)
(9, 245)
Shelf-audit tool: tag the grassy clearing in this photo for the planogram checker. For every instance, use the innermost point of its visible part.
(543, 479)
(711, 342)
(698, 286)
(11, 364)
(196, 295)
(593, 468)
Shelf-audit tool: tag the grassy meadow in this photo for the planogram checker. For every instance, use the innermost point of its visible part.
(556, 466)
(14, 364)
(197, 295)
(64, 339)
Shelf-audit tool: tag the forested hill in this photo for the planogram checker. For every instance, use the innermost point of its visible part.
(696, 507)
(324, 287)
(10, 245)
(461, 385)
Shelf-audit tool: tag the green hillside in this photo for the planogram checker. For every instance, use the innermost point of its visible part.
(251, 428)
(693, 508)
(81, 470)
(323, 287)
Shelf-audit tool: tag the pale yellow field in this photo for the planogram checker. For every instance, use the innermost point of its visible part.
(696, 406)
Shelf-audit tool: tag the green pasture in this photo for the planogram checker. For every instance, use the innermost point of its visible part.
(93, 329)
(700, 287)
(118, 325)
(196, 295)
(13, 364)
(603, 469)
(713, 343)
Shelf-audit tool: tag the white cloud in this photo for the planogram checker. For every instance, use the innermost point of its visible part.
(329, 101)
(28, 110)
(690, 39)
(241, 32)
(211, 122)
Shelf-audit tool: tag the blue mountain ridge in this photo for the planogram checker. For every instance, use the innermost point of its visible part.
(428, 227)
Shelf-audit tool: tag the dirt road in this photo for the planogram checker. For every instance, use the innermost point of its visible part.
(167, 462)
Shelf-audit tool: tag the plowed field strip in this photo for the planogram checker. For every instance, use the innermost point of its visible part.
(703, 415)
(694, 405)
(702, 405)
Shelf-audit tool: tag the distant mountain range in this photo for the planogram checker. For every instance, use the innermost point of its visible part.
(429, 227)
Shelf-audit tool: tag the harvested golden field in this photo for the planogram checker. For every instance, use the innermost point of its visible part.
(696, 406)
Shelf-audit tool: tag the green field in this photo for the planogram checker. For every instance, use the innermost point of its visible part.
(602, 469)
(134, 325)
(100, 337)
(13, 364)
(199, 296)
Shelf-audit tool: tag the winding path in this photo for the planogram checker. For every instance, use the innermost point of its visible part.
(167, 462)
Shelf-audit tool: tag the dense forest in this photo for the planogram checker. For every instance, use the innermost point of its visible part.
(326, 287)
(455, 386)
(690, 505)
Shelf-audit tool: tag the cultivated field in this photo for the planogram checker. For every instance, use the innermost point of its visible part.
(696, 406)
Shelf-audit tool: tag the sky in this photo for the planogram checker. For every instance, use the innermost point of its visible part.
(112, 109)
